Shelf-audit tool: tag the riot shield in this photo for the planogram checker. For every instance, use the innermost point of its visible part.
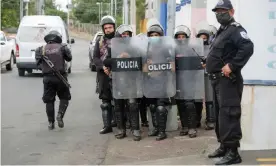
(207, 82)
(126, 68)
(159, 68)
(189, 71)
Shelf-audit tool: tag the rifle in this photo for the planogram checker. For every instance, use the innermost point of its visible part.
(57, 73)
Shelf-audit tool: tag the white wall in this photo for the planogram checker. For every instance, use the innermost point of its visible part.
(183, 17)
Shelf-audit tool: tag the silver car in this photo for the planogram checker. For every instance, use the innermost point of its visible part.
(96, 37)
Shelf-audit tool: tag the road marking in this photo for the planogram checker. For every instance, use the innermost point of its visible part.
(266, 159)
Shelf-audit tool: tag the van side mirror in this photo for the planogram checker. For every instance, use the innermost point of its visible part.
(68, 41)
(2, 43)
(91, 42)
(72, 41)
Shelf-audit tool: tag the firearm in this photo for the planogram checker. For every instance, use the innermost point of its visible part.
(57, 73)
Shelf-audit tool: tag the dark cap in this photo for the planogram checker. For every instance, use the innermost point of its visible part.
(223, 4)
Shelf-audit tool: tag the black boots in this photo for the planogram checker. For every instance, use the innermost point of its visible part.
(50, 111)
(119, 115)
(162, 114)
(106, 115)
(183, 118)
(62, 109)
(199, 107)
(210, 116)
(143, 113)
(192, 118)
(220, 152)
(154, 132)
(134, 118)
(232, 156)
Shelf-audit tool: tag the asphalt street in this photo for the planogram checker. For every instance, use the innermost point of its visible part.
(25, 136)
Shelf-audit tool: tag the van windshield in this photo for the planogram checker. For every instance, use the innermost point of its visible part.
(35, 34)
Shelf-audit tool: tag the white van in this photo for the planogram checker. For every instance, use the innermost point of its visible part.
(30, 35)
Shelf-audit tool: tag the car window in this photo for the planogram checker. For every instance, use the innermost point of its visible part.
(2, 37)
(35, 34)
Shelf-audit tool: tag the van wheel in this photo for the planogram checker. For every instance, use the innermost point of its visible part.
(69, 70)
(21, 72)
(30, 71)
(10, 65)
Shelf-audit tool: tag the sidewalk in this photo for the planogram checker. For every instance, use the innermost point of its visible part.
(173, 151)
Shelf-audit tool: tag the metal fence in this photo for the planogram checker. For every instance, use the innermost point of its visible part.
(85, 27)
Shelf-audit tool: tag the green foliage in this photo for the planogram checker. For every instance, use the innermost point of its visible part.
(10, 11)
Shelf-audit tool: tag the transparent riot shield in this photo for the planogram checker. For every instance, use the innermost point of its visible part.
(126, 68)
(159, 68)
(207, 82)
(189, 71)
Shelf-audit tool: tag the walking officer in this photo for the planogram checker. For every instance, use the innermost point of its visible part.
(57, 53)
(102, 52)
(204, 33)
(229, 52)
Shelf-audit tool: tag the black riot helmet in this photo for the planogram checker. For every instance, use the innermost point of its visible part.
(155, 28)
(123, 28)
(182, 30)
(107, 20)
(53, 36)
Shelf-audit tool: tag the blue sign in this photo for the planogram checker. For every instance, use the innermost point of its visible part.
(178, 8)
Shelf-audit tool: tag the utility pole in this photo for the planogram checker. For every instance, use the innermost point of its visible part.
(125, 12)
(115, 9)
(40, 7)
(112, 4)
(170, 17)
(133, 15)
(21, 9)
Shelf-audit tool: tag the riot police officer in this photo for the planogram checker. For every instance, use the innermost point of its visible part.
(57, 53)
(229, 52)
(186, 107)
(204, 34)
(156, 83)
(102, 52)
(124, 32)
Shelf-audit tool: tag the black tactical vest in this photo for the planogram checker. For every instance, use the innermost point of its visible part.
(54, 52)
(218, 52)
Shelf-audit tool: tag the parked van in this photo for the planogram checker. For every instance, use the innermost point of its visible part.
(30, 35)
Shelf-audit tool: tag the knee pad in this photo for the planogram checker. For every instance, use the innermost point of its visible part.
(190, 105)
(152, 108)
(162, 110)
(105, 106)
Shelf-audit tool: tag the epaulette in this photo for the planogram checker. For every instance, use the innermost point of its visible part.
(235, 24)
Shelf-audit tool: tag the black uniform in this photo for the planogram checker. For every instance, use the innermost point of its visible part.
(230, 46)
(57, 54)
(102, 51)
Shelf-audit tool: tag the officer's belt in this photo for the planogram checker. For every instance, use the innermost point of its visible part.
(215, 76)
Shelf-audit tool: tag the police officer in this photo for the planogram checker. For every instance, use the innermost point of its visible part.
(157, 106)
(229, 52)
(186, 108)
(125, 31)
(102, 51)
(205, 34)
(57, 53)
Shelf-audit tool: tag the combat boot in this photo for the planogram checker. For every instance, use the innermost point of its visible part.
(192, 119)
(183, 117)
(210, 117)
(51, 125)
(106, 115)
(220, 152)
(162, 113)
(113, 121)
(154, 132)
(134, 119)
(199, 107)
(61, 112)
(231, 157)
(120, 119)
(50, 111)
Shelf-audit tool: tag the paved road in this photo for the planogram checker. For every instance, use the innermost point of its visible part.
(25, 137)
